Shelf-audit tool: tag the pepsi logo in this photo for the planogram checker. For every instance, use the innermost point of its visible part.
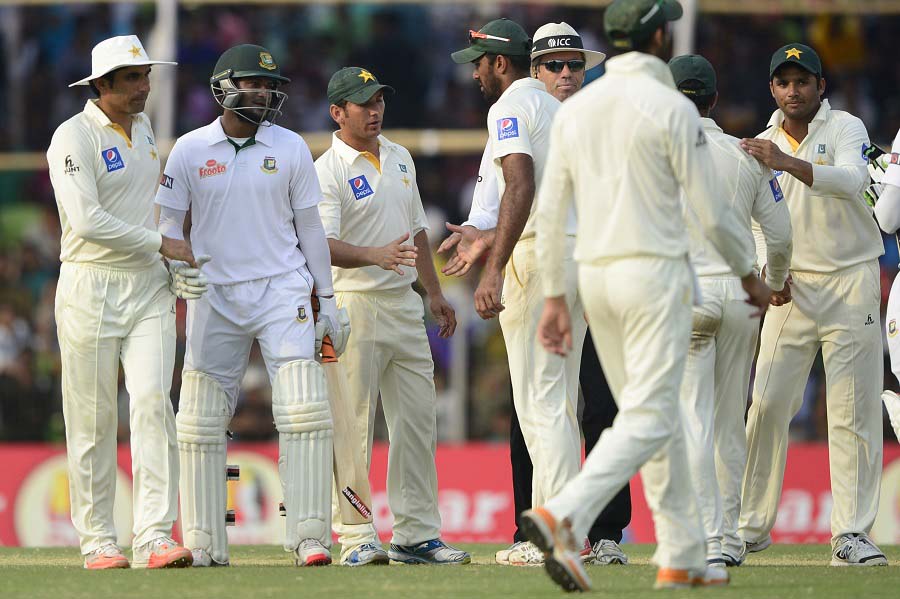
(506, 124)
(358, 183)
(110, 155)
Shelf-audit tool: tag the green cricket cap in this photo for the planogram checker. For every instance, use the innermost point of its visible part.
(628, 22)
(798, 54)
(247, 60)
(694, 68)
(500, 36)
(354, 84)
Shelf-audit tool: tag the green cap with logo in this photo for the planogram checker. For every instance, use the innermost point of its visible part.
(696, 70)
(247, 60)
(500, 36)
(630, 22)
(798, 54)
(354, 84)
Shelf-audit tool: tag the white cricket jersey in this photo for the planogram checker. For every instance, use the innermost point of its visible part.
(242, 201)
(892, 173)
(623, 147)
(369, 206)
(751, 191)
(104, 184)
(519, 122)
(486, 196)
(833, 226)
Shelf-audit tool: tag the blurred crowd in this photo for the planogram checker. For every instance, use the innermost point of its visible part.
(407, 47)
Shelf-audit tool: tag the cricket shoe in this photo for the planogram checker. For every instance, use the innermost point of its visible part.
(755, 547)
(162, 552)
(434, 551)
(856, 550)
(732, 561)
(311, 552)
(366, 554)
(520, 553)
(673, 578)
(107, 557)
(202, 559)
(608, 553)
(562, 558)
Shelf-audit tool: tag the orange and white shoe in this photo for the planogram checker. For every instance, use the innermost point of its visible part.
(162, 552)
(672, 578)
(311, 552)
(107, 557)
(562, 557)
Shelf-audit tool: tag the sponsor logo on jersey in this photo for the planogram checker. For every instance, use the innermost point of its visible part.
(167, 181)
(821, 148)
(212, 169)
(150, 141)
(892, 327)
(71, 168)
(112, 159)
(869, 320)
(268, 166)
(777, 173)
(776, 190)
(403, 168)
(507, 128)
(894, 158)
(701, 139)
(360, 187)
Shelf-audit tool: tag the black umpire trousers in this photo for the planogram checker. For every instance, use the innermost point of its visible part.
(599, 412)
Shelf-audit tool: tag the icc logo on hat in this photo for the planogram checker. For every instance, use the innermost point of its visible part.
(507, 127)
(360, 187)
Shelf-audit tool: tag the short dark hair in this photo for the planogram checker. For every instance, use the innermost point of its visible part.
(702, 102)
(109, 77)
(521, 63)
(787, 64)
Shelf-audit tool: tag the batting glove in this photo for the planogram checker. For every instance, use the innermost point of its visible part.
(187, 282)
(334, 323)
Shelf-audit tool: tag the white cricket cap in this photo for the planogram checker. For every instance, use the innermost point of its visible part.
(115, 53)
(560, 37)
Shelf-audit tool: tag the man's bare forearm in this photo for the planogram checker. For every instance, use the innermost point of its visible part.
(347, 255)
(425, 265)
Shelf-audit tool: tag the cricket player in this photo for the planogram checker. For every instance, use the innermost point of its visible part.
(817, 154)
(253, 193)
(376, 229)
(887, 211)
(545, 391)
(723, 338)
(113, 304)
(559, 60)
(632, 135)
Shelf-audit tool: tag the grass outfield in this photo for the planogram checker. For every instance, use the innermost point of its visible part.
(789, 571)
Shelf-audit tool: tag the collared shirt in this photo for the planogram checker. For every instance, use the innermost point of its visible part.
(242, 201)
(104, 184)
(370, 203)
(623, 147)
(751, 191)
(519, 122)
(833, 225)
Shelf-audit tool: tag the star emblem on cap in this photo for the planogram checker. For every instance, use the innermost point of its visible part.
(793, 53)
(366, 76)
(135, 51)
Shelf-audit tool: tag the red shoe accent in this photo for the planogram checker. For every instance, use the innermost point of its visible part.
(174, 557)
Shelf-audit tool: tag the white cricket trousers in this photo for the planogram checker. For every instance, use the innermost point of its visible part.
(839, 313)
(639, 313)
(544, 385)
(104, 316)
(713, 401)
(892, 328)
(388, 352)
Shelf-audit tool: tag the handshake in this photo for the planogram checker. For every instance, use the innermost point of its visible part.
(185, 281)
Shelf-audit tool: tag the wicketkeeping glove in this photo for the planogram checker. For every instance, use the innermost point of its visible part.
(333, 323)
(185, 281)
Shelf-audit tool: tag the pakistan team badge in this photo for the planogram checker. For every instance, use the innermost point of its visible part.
(301, 314)
(268, 166)
(266, 61)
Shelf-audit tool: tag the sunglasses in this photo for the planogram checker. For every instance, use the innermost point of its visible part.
(477, 35)
(556, 66)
